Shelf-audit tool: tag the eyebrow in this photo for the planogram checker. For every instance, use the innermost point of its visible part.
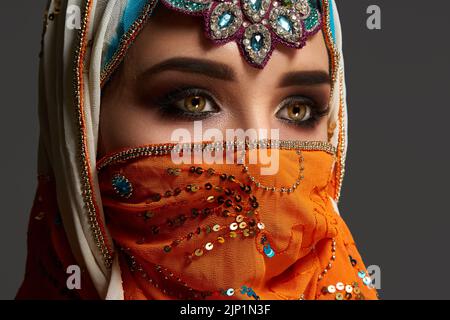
(305, 78)
(222, 71)
(204, 67)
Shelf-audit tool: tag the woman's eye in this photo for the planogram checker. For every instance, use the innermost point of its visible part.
(194, 104)
(295, 111)
(299, 112)
(187, 104)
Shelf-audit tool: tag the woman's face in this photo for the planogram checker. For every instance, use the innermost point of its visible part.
(173, 75)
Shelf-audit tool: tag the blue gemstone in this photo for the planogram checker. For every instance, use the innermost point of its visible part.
(269, 251)
(225, 19)
(285, 23)
(122, 186)
(257, 42)
(256, 5)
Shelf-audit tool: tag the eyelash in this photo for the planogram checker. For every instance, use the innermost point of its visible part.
(167, 107)
(317, 112)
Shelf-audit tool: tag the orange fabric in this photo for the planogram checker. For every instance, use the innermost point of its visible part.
(300, 228)
(49, 253)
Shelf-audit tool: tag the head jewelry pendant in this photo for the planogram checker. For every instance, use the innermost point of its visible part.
(255, 25)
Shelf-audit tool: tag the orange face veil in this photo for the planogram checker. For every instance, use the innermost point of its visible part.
(67, 223)
(226, 231)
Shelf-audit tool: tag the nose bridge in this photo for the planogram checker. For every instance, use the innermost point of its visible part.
(254, 113)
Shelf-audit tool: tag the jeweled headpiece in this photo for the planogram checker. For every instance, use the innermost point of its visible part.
(255, 25)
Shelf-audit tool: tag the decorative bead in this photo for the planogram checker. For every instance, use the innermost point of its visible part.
(340, 286)
(339, 296)
(367, 280)
(269, 251)
(230, 292)
(198, 252)
(209, 246)
(199, 171)
(40, 216)
(173, 171)
(233, 226)
(195, 213)
(122, 186)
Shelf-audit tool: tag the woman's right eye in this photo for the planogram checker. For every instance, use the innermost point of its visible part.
(195, 104)
(189, 104)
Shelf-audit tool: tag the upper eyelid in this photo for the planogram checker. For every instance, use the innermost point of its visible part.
(183, 93)
(283, 103)
(179, 93)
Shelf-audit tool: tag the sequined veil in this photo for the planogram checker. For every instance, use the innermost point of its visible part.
(68, 215)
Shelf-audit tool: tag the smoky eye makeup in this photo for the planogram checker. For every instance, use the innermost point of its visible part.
(186, 103)
(301, 111)
(190, 102)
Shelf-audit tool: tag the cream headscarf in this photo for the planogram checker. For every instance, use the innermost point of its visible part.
(74, 65)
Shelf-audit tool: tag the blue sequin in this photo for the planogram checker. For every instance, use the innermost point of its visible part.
(257, 42)
(269, 251)
(225, 20)
(367, 281)
(122, 186)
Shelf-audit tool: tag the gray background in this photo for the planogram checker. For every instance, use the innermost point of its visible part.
(395, 197)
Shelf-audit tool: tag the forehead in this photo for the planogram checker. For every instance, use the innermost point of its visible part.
(170, 34)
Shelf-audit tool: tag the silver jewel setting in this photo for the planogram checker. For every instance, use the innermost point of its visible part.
(256, 25)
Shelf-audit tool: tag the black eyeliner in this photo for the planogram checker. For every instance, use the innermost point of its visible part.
(167, 109)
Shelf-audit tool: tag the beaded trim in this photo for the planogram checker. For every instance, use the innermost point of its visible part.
(165, 149)
(96, 224)
(284, 189)
(336, 73)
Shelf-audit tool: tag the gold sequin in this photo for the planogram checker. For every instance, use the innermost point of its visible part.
(40, 216)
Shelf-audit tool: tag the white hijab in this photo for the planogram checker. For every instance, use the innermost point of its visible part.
(74, 64)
